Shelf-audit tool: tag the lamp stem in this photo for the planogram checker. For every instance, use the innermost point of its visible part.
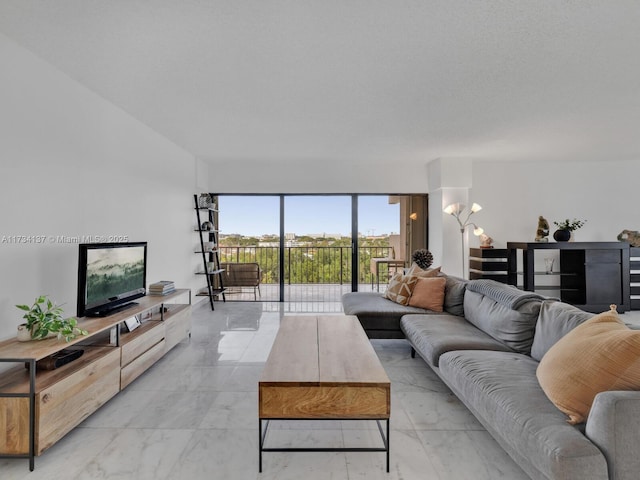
(462, 249)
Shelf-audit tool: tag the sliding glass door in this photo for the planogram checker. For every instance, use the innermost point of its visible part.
(318, 247)
(314, 248)
(380, 243)
(250, 233)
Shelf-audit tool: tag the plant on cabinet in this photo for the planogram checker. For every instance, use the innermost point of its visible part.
(566, 228)
(43, 319)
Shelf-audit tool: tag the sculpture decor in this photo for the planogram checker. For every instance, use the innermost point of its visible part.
(423, 258)
(543, 230)
(630, 236)
(485, 241)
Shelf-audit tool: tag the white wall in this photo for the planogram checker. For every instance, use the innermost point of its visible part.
(74, 165)
(321, 176)
(514, 194)
(450, 180)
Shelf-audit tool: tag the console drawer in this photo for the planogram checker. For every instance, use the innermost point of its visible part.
(64, 404)
(144, 338)
(177, 327)
(138, 366)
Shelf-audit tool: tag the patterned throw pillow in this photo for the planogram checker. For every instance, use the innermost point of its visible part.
(400, 288)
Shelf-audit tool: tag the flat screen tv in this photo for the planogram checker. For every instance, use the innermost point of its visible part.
(110, 276)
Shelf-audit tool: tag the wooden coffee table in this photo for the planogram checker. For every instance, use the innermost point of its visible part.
(323, 368)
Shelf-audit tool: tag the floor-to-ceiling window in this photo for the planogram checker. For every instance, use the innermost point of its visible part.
(305, 243)
(318, 247)
(250, 233)
(380, 246)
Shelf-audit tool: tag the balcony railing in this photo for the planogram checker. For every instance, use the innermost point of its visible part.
(308, 265)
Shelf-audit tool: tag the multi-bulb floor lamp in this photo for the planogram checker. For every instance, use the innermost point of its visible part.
(456, 210)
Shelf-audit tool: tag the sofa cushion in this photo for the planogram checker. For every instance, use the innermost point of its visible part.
(501, 389)
(601, 354)
(555, 320)
(433, 335)
(428, 293)
(514, 328)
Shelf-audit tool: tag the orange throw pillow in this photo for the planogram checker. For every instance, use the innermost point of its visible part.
(599, 355)
(429, 293)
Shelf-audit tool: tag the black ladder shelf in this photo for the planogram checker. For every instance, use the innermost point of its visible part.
(207, 229)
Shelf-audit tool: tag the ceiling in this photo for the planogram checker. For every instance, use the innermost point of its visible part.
(366, 81)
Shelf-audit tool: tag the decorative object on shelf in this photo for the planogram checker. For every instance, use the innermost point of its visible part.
(543, 230)
(206, 226)
(423, 258)
(562, 235)
(205, 200)
(485, 241)
(456, 210)
(132, 323)
(565, 229)
(548, 264)
(163, 287)
(209, 246)
(44, 318)
(630, 236)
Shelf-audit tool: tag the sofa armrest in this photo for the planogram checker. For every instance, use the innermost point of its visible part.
(613, 425)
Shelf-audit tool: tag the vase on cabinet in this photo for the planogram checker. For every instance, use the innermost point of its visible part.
(562, 235)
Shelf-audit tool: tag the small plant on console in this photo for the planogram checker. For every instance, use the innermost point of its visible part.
(44, 317)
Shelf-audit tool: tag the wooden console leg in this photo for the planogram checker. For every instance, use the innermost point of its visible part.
(413, 352)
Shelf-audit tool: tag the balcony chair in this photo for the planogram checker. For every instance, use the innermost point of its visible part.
(239, 275)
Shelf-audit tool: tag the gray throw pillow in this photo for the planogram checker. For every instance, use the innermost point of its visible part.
(556, 319)
(454, 295)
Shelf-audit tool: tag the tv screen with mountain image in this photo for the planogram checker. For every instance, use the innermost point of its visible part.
(110, 276)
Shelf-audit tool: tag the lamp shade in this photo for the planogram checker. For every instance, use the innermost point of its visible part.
(454, 208)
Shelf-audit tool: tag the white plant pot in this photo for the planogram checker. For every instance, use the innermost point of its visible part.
(24, 334)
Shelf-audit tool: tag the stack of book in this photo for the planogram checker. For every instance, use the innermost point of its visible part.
(163, 287)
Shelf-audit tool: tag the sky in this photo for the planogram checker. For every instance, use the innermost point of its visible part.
(304, 214)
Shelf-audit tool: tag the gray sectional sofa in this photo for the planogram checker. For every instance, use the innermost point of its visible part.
(486, 346)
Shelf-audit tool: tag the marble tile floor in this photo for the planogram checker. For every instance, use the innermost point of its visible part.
(193, 416)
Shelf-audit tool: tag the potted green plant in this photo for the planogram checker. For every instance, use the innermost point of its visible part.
(44, 318)
(565, 229)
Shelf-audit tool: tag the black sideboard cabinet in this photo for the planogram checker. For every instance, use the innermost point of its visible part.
(488, 263)
(593, 275)
(635, 277)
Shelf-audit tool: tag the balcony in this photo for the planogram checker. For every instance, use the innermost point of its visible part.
(311, 274)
